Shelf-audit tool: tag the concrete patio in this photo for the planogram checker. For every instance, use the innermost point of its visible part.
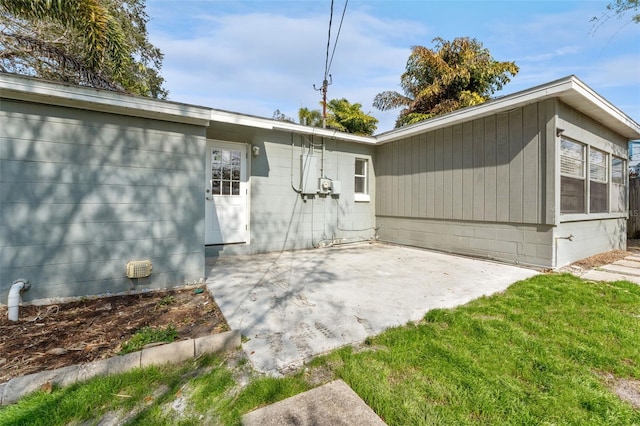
(292, 306)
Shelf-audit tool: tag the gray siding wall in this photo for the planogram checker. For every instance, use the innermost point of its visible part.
(586, 130)
(490, 173)
(491, 169)
(280, 219)
(82, 193)
(592, 234)
(517, 243)
(590, 237)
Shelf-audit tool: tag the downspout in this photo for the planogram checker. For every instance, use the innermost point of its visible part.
(17, 287)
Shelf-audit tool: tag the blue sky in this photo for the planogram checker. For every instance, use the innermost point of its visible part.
(254, 57)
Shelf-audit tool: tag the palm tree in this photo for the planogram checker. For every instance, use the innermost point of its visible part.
(343, 116)
(454, 75)
(80, 41)
(350, 118)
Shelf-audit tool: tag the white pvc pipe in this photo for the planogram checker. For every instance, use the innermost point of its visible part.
(13, 303)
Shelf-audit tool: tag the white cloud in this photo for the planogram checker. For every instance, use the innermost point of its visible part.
(268, 55)
(262, 62)
(615, 72)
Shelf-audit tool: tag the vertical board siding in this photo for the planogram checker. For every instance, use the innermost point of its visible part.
(447, 165)
(431, 182)
(467, 171)
(503, 156)
(478, 170)
(530, 155)
(415, 174)
(456, 166)
(422, 170)
(406, 179)
(487, 170)
(438, 173)
(490, 182)
(397, 194)
(516, 166)
(547, 125)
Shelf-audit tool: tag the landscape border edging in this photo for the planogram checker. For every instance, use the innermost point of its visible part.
(170, 353)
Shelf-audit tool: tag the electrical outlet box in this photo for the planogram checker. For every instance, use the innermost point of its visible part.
(336, 187)
(324, 186)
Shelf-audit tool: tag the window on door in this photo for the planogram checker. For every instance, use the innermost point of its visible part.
(225, 172)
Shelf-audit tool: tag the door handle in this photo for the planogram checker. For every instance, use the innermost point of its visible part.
(209, 191)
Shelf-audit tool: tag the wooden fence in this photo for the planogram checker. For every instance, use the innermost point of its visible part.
(633, 223)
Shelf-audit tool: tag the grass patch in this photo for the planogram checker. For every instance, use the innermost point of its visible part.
(147, 335)
(543, 352)
(533, 354)
(140, 396)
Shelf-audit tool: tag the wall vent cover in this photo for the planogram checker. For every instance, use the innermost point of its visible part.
(139, 268)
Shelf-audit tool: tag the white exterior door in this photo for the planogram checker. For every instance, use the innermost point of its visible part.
(226, 193)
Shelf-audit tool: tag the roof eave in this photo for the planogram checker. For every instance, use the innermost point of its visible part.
(285, 126)
(569, 89)
(31, 89)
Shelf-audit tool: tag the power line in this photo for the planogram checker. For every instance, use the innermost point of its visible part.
(335, 44)
(328, 62)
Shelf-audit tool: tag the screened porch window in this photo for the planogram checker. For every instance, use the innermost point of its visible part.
(572, 181)
(618, 189)
(598, 181)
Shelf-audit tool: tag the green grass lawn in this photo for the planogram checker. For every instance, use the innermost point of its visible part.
(545, 351)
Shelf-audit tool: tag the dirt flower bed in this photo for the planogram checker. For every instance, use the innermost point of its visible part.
(52, 336)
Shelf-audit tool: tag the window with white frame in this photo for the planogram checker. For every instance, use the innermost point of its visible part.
(618, 189)
(572, 177)
(361, 183)
(591, 180)
(598, 181)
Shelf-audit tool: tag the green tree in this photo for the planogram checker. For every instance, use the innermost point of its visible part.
(99, 43)
(343, 116)
(310, 117)
(350, 118)
(453, 75)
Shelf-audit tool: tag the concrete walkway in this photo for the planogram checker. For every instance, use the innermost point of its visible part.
(292, 306)
(627, 269)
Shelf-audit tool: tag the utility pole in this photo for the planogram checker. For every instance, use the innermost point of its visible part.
(323, 89)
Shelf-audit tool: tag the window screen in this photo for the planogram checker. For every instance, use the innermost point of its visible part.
(598, 179)
(618, 189)
(572, 182)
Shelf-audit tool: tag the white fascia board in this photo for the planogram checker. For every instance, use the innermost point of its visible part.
(219, 116)
(325, 133)
(603, 111)
(35, 90)
(284, 126)
(562, 89)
